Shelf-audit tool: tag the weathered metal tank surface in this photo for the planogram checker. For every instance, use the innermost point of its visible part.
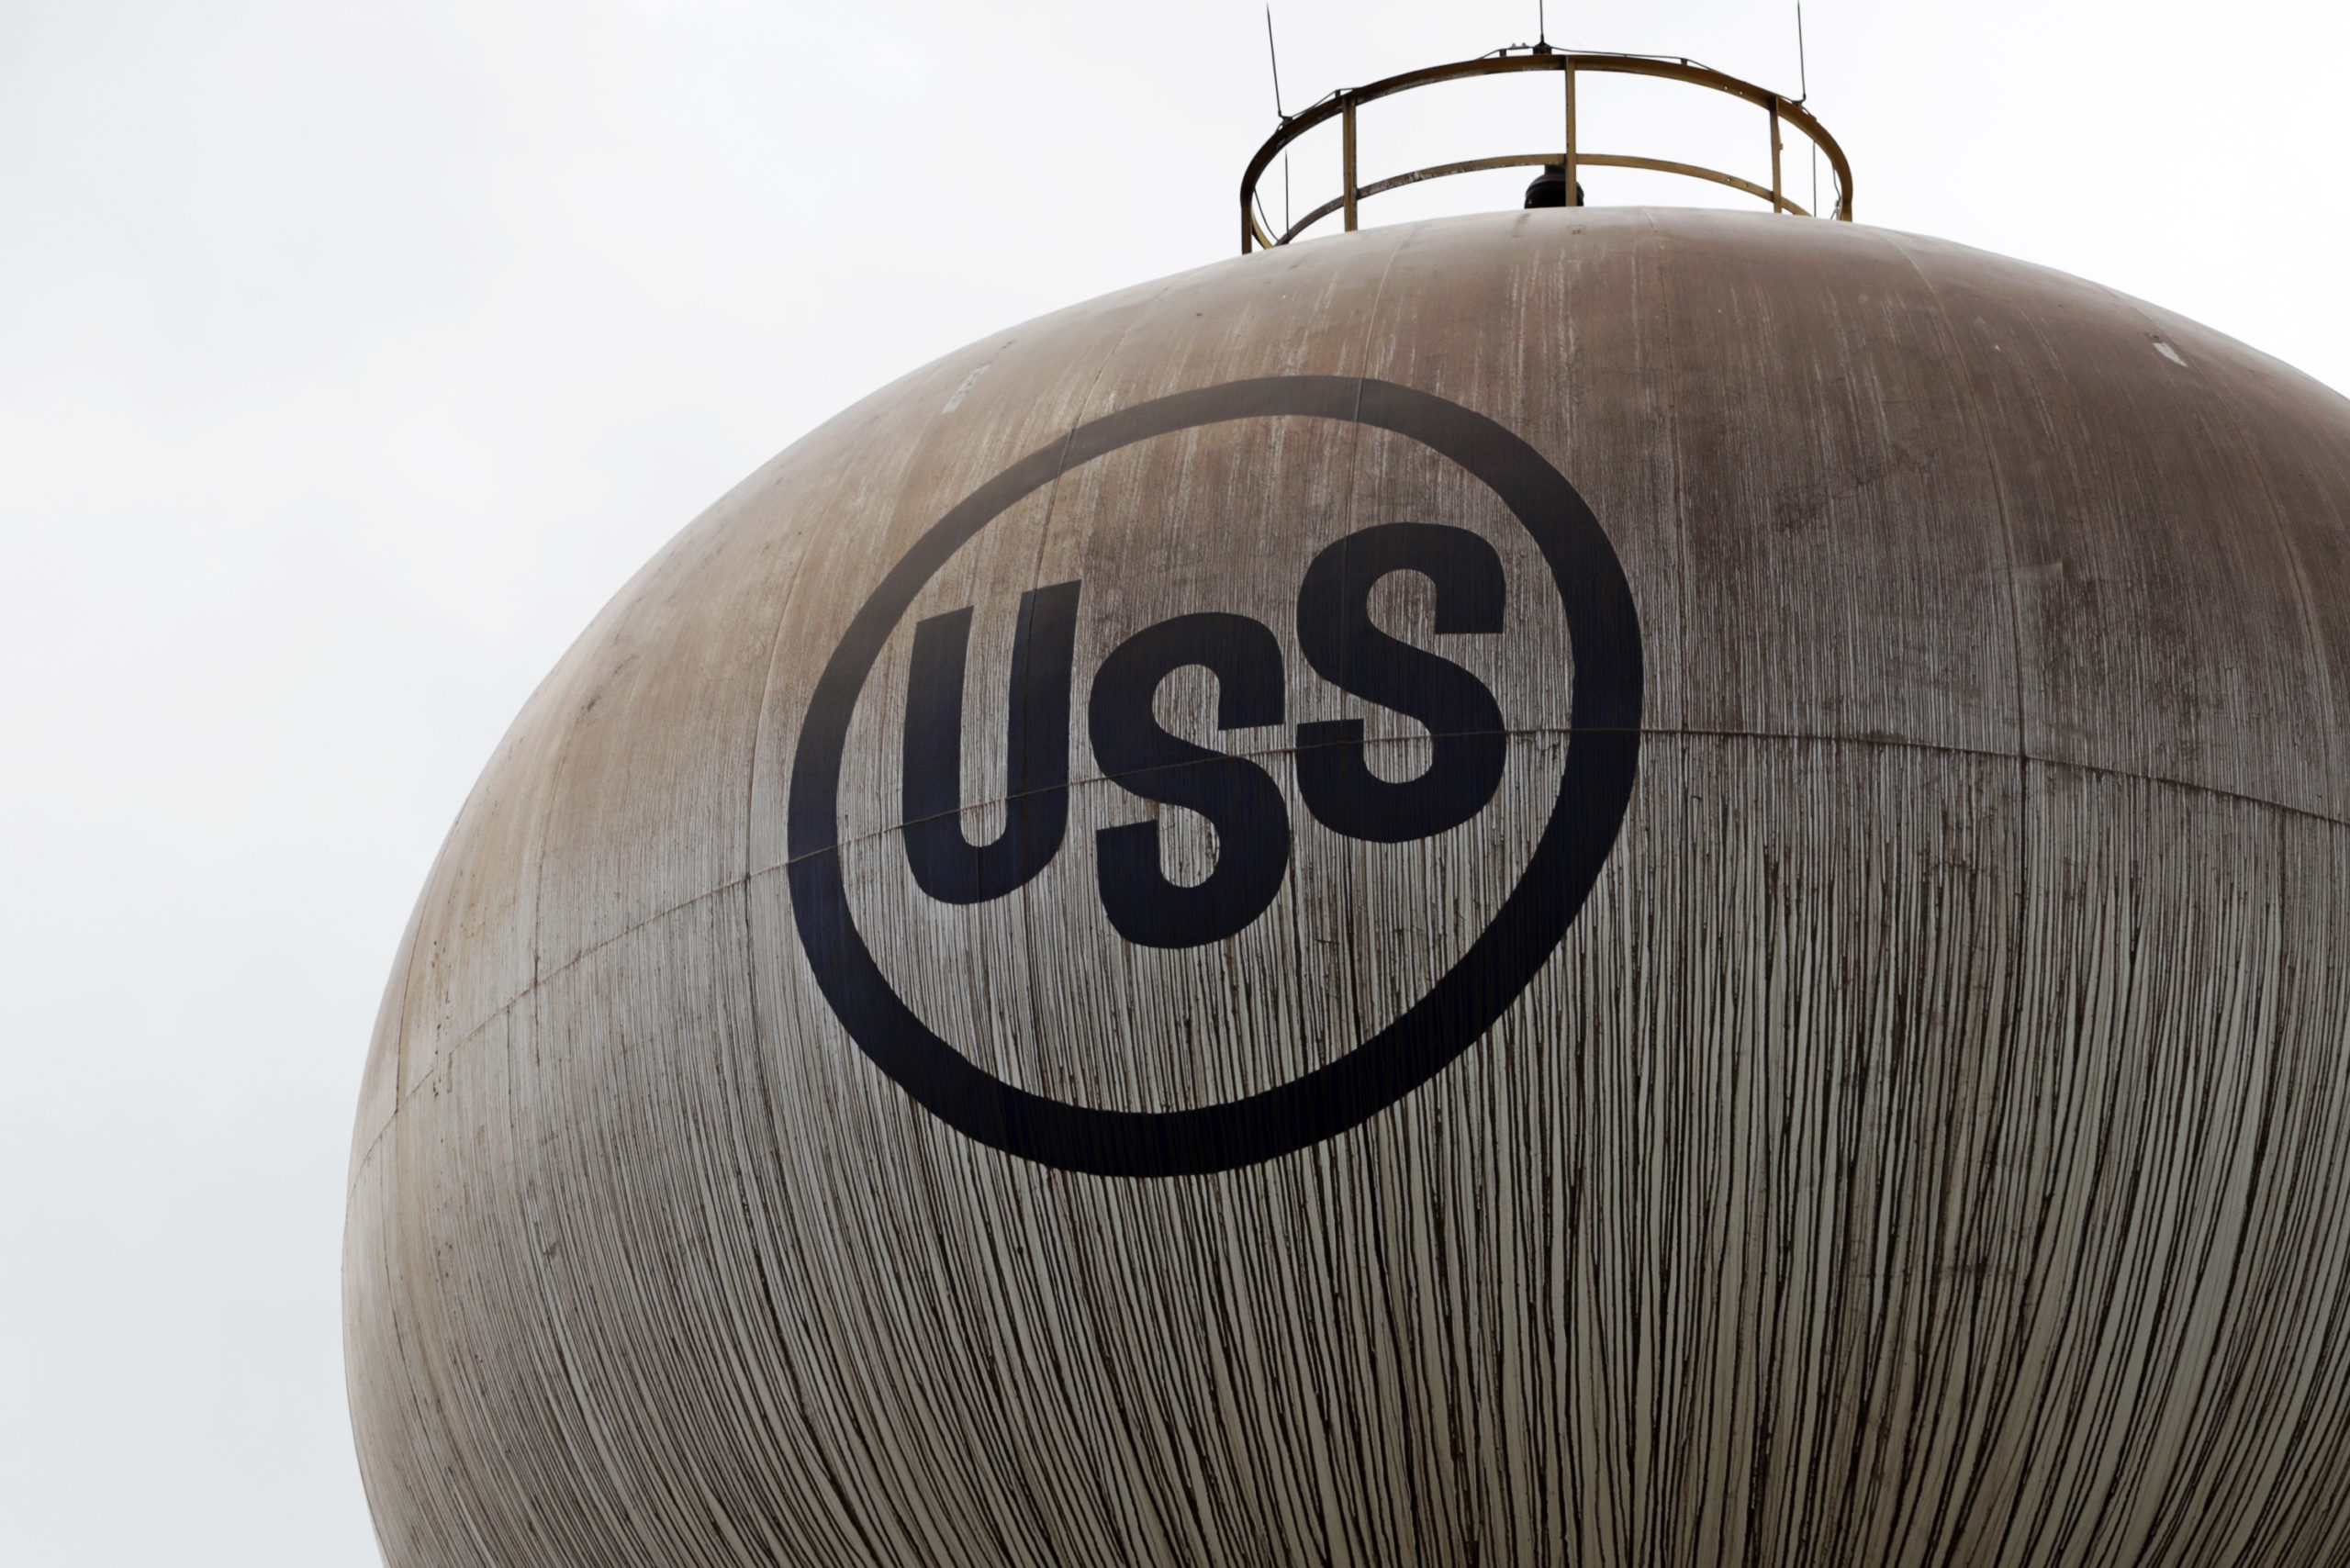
(1599, 887)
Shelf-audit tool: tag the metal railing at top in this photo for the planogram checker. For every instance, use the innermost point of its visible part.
(1254, 229)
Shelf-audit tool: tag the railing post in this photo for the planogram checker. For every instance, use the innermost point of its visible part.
(1778, 202)
(1348, 156)
(1567, 64)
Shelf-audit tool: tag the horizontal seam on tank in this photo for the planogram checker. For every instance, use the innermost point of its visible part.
(449, 1055)
(1889, 743)
(2098, 769)
(1885, 742)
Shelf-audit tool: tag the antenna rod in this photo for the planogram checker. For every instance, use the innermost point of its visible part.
(1803, 85)
(1541, 21)
(1274, 55)
(1803, 71)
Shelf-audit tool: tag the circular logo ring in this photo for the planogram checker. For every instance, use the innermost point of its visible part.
(1603, 758)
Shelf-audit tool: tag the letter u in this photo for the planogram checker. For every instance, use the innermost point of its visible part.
(946, 865)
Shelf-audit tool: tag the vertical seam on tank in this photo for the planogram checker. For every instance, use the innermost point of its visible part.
(2231, 1508)
(464, 1498)
(1347, 954)
(1988, 1423)
(460, 1500)
(1736, 1234)
(1348, 951)
(762, 1263)
(1998, 488)
(2232, 408)
(542, 1300)
(558, 1340)
(1111, 1430)
(1415, 1512)
(783, 622)
(524, 1031)
(1666, 248)
(1081, 417)
(407, 1277)
(1684, 574)
(845, 1506)
(407, 1316)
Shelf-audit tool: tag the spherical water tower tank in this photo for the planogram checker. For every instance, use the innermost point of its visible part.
(1580, 886)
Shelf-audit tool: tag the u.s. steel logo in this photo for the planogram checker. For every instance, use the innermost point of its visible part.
(1304, 807)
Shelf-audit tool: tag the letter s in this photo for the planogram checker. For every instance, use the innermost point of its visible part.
(1235, 795)
(1333, 630)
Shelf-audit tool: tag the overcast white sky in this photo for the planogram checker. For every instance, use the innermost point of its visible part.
(354, 353)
